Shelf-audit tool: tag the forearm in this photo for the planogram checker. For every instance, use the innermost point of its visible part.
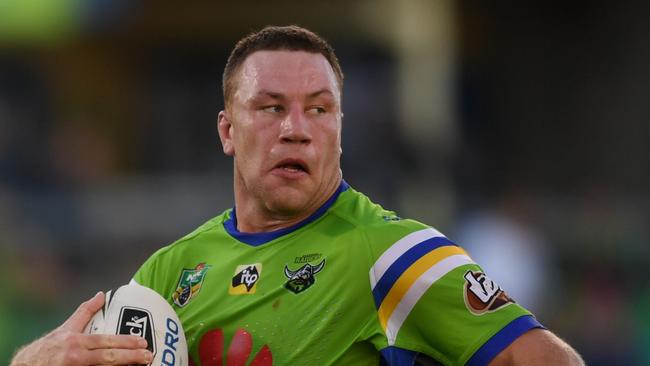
(538, 347)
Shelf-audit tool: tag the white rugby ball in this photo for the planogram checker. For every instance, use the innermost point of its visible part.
(138, 310)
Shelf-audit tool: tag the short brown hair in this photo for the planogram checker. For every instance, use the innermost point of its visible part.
(272, 38)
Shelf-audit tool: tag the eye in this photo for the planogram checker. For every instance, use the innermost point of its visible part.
(273, 109)
(316, 110)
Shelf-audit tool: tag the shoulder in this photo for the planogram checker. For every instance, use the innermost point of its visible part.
(384, 230)
(214, 226)
(380, 224)
(157, 271)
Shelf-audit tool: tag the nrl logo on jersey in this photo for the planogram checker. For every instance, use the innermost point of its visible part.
(482, 295)
(189, 284)
(245, 280)
(303, 277)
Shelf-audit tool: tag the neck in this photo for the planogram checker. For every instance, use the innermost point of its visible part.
(254, 214)
(246, 223)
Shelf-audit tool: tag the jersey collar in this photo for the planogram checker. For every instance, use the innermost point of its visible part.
(256, 239)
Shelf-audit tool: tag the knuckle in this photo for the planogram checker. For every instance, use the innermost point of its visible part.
(109, 356)
(110, 342)
(85, 308)
(70, 339)
(72, 358)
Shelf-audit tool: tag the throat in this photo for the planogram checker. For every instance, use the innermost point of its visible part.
(258, 221)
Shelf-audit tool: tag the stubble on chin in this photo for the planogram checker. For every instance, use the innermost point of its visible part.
(286, 202)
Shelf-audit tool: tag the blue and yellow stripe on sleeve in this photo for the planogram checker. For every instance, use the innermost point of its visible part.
(405, 271)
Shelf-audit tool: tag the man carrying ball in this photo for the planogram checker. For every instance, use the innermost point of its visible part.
(304, 269)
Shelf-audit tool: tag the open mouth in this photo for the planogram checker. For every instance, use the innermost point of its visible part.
(292, 166)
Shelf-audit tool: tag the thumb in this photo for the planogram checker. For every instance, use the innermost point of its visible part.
(78, 320)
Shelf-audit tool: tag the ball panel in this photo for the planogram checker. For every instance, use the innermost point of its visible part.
(138, 310)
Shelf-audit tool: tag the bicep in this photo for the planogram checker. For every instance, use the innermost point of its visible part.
(453, 324)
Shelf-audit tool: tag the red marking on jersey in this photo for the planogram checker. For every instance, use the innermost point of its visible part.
(263, 358)
(212, 345)
(240, 348)
(211, 348)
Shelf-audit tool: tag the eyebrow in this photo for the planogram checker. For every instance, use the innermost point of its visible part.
(319, 92)
(279, 96)
(265, 93)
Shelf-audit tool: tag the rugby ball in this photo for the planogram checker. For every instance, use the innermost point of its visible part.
(138, 310)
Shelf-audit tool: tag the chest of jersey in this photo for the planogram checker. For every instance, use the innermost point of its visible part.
(303, 298)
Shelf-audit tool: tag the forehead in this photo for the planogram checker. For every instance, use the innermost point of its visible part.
(285, 72)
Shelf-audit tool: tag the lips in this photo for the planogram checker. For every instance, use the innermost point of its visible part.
(292, 166)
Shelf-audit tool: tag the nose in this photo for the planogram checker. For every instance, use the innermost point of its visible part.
(295, 127)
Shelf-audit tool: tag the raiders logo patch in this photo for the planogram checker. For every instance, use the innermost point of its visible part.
(302, 278)
(482, 295)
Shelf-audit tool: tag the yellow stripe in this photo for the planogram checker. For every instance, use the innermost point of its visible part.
(406, 280)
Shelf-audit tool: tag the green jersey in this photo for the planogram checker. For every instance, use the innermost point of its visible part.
(353, 284)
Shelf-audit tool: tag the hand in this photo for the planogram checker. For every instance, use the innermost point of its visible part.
(67, 345)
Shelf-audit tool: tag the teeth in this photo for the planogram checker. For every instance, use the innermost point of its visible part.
(292, 168)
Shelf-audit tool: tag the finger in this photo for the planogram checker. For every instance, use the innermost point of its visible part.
(78, 320)
(113, 356)
(99, 341)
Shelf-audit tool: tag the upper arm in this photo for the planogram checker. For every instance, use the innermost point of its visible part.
(431, 298)
(538, 347)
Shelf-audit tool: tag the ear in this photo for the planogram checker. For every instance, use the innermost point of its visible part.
(224, 126)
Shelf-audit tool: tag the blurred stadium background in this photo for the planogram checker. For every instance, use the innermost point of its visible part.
(518, 129)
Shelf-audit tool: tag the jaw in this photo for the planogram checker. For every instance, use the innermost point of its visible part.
(280, 197)
(277, 198)
(289, 193)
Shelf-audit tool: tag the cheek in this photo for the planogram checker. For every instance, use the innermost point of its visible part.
(332, 147)
(335, 138)
(253, 149)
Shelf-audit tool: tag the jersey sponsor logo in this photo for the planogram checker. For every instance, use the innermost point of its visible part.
(137, 322)
(391, 218)
(212, 345)
(302, 278)
(308, 258)
(189, 284)
(245, 280)
(171, 338)
(483, 295)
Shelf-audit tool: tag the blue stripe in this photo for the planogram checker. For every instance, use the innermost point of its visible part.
(256, 239)
(502, 339)
(402, 263)
(394, 356)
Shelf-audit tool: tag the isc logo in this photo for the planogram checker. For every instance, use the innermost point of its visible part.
(138, 322)
(245, 279)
